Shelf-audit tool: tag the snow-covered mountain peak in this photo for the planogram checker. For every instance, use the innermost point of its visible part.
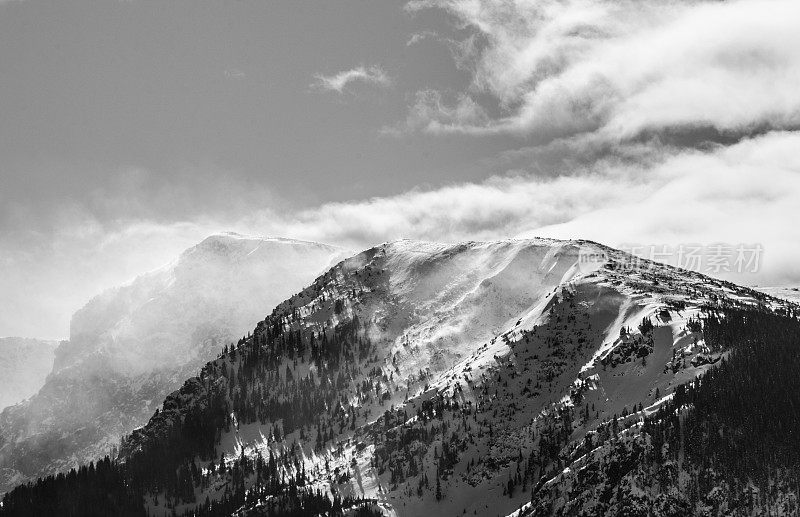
(444, 305)
(432, 378)
(429, 361)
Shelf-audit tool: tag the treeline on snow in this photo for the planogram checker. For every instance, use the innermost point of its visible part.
(176, 453)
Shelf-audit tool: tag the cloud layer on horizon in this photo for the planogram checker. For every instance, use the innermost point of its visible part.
(739, 194)
(743, 193)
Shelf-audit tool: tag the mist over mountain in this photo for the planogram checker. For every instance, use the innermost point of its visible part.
(561, 280)
(517, 377)
(24, 364)
(133, 344)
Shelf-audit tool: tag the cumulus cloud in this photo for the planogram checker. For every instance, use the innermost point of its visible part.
(619, 69)
(373, 75)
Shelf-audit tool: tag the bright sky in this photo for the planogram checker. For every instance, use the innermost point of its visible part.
(130, 130)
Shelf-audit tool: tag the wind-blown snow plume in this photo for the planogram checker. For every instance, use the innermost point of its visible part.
(644, 202)
(133, 344)
(24, 365)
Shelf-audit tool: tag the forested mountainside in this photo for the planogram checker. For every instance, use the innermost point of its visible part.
(724, 444)
(480, 378)
(24, 365)
(131, 346)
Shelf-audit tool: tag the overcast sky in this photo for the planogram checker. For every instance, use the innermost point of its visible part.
(129, 130)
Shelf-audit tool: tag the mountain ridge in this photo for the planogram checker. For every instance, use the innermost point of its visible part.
(290, 307)
(413, 375)
(132, 344)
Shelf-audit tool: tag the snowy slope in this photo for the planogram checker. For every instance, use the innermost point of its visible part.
(133, 344)
(468, 358)
(24, 364)
(789, 293)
